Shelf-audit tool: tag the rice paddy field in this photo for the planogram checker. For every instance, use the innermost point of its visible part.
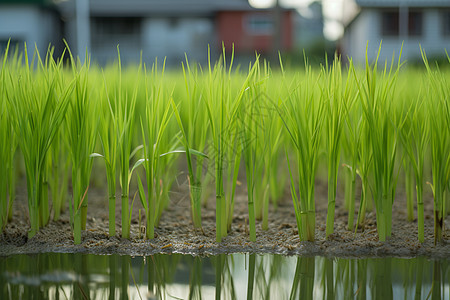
(334, 159)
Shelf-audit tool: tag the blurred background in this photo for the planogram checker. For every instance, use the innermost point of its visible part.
(171, 28)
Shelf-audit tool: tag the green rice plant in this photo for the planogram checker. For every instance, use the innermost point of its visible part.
(3, 183)
(5, 134)
(157, 117)
(216, 107)
(9, 148)
(275, 172)
(249, 142)
(37, 110)
(267, 136)
(250, 135)
(233, 136)
(439, 123)
(11, 163)
(382, 124)
(415, 137)
(109, 139)
(195, 118)
(222, 110)
(110, 136)
(194, 183)
(337, 98)
(82, 123)
(364, 157)
(409, 189)
(303, 118)
(351, 146)
(59, 164)
(122, 109)
(126, 110)
(233, 161)
(167, 173)
(171, 141)
(272, 141)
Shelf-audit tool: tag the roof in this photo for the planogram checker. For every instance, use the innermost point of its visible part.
(165, 7)
(397, 3)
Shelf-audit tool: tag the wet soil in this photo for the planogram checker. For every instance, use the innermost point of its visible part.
(175, 233)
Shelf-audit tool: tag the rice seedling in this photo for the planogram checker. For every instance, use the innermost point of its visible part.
(10, 143)
(109, 136)
(157, 117)
(303, 117)
(167, 173)
(439, 123)
(194, 185)
(382, 123)
(363, 168)
(59, 164)
(415, 136)
(222, 110)
(122, 116)
(82, 124)
(10, 164)
(4, 149)
(232, 159)
(126, 127)
(271, 140)
(275, 174)
(195, 118)
(3, 186)
(351, 146)
(216, 107)
(249, 143)
(265, 133)
(254, 146)
(37, 110)
(409, 188)
(336, 97)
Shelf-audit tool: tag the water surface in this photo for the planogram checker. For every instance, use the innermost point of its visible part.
(237, 276)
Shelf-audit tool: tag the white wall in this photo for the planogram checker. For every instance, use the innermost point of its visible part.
(367, 28)
(29, 24)
(359, 33)
(434, 42)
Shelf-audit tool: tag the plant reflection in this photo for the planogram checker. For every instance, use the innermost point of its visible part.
(238, 276)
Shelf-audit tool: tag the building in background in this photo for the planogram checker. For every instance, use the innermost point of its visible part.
(393, 22)
(151, 28)
(34, 22)
(309, 29)
(253, 30)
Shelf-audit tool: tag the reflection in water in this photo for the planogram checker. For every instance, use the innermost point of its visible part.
(238, 276)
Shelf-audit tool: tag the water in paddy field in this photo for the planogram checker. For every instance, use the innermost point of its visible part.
(237, 276)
